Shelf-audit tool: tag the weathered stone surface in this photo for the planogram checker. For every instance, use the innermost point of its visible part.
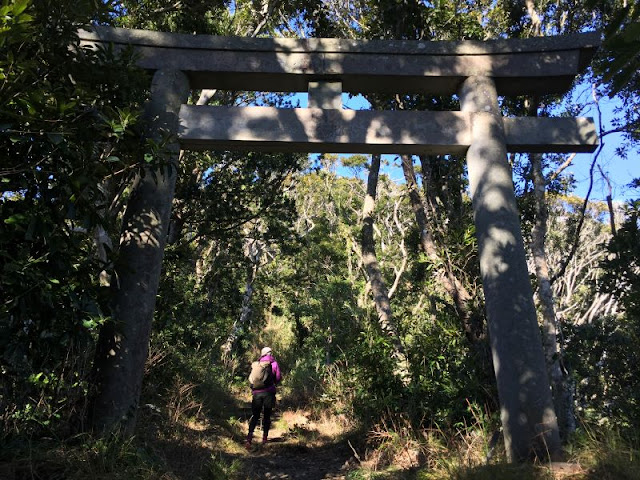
(366, 131)
(217, 42)
(279, 64)
(550, 134)
(326, 95)
(317, 130)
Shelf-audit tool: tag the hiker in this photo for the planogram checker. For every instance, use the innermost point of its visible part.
(265, 375)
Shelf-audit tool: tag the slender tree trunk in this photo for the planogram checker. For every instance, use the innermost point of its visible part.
(124, 340)
(558, 379)
(612, 212)
(245, 313)
(428, 191)
(378, 287)
(102, 241)
(536, 22)
(562, 393)
(452, 285)
(254, 252)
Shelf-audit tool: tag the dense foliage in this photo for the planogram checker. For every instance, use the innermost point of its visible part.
(606, 349)
(67, 136)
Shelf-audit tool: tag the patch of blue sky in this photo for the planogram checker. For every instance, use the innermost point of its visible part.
(616, 158)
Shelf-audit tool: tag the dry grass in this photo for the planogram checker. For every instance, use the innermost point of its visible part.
(182, 402)
(301, 427)
(396, 451)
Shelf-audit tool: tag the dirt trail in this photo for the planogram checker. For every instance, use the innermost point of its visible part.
(299, 449)
(299, 463)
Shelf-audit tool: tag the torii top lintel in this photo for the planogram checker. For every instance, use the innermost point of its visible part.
(518, 66)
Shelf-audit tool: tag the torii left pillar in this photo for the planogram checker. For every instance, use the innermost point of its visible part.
(528, 419)
(124, 340)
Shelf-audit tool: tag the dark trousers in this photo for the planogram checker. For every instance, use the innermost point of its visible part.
(264, 401)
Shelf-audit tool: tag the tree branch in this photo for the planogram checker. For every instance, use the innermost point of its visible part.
(566, 164)
(583, 209)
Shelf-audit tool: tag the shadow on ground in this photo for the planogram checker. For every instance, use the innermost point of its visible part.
(299, 447)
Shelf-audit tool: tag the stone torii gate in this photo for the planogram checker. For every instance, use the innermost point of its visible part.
(477, 72)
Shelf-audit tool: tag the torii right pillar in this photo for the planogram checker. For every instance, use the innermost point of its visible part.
(528, 419)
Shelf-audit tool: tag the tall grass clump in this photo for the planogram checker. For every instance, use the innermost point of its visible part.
(83, 457)
(398, 448)
(606, 453)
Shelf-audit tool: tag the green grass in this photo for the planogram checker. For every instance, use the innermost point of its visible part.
(82, 458)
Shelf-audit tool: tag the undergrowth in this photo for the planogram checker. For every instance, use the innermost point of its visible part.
(392, 450)
(396, 450)
(83, 457)
(195, 431)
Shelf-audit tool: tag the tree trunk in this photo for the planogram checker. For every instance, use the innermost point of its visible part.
(254, 251)
(378, 287)
(561, 391)
(124, 340)
(452, 285)
(245, 313)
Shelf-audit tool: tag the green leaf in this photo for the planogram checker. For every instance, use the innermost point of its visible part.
(89, 324)
(26, 18)
(20, 6)
(15, 219)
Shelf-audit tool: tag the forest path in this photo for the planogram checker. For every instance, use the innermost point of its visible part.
(301, 448)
